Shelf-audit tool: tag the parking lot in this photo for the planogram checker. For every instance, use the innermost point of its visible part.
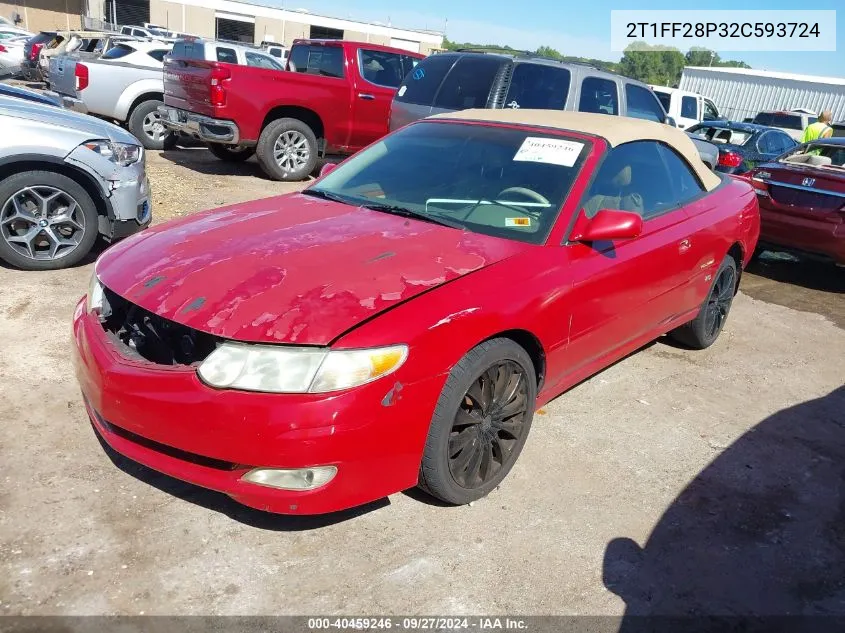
(725, 465)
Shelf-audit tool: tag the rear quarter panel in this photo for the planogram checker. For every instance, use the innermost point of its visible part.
(727, 216)
(107, 82)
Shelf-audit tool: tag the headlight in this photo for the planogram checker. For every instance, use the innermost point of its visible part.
(121, 153)
(278, 369)
(94, 300)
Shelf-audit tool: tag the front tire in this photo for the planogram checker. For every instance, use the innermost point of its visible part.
(480, 423)
(231, 153)
(47, 221)
(287, 150)
(704, 329)
(146, 125)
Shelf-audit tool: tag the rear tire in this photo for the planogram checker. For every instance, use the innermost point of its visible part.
(703, 330)
(231, 153)
(476, 434)
(287, 150)
(33, 233)
(145, 125)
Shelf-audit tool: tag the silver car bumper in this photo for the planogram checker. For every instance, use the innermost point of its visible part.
(124, 190)
(203, 127)
(70, 103)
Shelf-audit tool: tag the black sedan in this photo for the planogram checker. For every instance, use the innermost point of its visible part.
(742, 146)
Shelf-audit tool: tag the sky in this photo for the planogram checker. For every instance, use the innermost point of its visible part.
(573, 28)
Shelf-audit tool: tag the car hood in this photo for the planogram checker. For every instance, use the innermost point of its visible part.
(87, 126)
(290, 269)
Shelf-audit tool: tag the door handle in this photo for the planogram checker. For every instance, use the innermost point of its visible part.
(684, 245)
(368, 97)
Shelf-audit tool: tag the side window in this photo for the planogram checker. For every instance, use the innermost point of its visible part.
(538, 86)
(116, 52)
(685, 182)
(468, 84)
(633, 177)
(599, 95)
(317, 60)
(158, 54)
(275, 52)
(642, 104)
(710, 113)
(126, 30)
(261, 61)
(786, 142)
(665, 99)
(227, 55)
(765, 143)
(689, 108)
(421, 85)
(381, 68)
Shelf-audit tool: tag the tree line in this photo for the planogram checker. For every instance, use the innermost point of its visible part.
(640, 61)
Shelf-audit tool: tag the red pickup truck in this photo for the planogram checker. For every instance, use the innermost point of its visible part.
(334, 98)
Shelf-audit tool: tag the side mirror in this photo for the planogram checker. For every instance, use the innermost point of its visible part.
(606, 225)
(670, 121)
(327, 168)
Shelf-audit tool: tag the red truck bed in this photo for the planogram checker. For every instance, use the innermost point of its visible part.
(334, 98)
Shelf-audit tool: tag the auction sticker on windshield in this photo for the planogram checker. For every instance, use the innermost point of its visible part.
(549, 150)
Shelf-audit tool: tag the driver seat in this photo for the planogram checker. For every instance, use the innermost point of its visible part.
(614, 193)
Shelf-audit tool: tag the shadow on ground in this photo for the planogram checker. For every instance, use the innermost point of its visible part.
(807, 273)
(759, 532)
(198, 158)
(219, 502)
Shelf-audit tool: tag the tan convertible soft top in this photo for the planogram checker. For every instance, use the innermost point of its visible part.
(616, 130)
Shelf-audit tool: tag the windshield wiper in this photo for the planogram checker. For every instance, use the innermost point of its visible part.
(410, 213)
(325, 195)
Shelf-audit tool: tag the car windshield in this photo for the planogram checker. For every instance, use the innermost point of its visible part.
(719, 134)
(817, 155)
(497, 181)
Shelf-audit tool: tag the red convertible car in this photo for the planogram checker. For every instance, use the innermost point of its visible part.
(398, 322)
(802, 200)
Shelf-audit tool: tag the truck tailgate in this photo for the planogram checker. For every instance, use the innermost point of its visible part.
(62, 77)
(186, 85)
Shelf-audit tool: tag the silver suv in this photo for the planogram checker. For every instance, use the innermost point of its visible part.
(461, 80)
(64, 179)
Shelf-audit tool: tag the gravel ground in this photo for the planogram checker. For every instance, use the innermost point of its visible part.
(674, 481)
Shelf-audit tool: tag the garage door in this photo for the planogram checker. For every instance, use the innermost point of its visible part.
(408, 45)
(232, 27)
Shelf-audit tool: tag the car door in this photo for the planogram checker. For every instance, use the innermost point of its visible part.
(689, 111)
(625, 290)
(377, 75)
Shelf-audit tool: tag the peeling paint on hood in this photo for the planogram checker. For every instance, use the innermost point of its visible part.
(290, 269)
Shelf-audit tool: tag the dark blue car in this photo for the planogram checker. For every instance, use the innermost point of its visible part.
(30, 95)
(743, 146)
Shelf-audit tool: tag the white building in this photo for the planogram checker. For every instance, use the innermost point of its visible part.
(253, 23)
(742, 92)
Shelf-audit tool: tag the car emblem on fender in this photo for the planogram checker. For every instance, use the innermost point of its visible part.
(808, 182)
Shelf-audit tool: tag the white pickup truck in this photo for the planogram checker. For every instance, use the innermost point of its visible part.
(687, 108)
(125, 84)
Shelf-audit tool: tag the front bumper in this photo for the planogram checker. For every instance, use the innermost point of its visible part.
(165, 418)
(202, 127)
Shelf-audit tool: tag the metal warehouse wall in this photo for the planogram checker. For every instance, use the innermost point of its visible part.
(739, 95)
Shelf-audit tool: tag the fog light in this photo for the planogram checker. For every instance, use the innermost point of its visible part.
(292, 479)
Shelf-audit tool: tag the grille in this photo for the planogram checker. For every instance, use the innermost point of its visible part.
(801, 198)
(141, 333)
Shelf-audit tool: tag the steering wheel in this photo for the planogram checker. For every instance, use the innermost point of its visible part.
(528, 193)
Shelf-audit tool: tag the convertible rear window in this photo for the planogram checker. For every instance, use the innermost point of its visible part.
(498, 181)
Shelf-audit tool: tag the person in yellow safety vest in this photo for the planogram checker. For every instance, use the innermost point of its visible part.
(819, 129)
